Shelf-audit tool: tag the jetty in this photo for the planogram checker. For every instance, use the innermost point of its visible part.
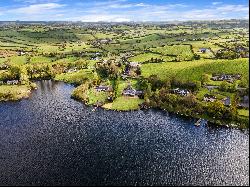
(198, 123)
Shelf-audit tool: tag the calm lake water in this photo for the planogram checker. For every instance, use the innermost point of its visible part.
(51, 139)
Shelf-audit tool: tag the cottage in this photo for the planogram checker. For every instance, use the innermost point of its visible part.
(9, 82)
(129, 91)
(226, 101)
(209, 98)
(134, 64)
(182, 92)
(4, 66)
(94, 58)
(244, 102)
(125, 75)
(71, 70)
(227, 77)
(20, 53)
(103, 88)
(203, 50)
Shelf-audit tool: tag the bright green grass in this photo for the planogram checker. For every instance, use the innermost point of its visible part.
(66, 60)
(40, 59)
(2, 60)
(243, 112)
(85, 37)
(76, 77)
(100, 35)
(48, 48)
(124, 104)
(20, 60)
(94, 96)
(200, 94)
(184, 51)
(144, 57)
(193, 70)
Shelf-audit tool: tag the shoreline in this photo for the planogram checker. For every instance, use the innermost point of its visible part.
(214, 122)
(209, 121)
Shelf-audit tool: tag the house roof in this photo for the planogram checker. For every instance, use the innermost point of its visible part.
(210, 96)
(226, 101)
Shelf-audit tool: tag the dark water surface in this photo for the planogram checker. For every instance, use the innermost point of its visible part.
(50, 139)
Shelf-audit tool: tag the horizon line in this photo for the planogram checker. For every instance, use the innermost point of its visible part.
(122, 21)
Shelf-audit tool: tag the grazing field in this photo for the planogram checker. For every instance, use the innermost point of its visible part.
(193, 70)
(182, 52)
(75, 77)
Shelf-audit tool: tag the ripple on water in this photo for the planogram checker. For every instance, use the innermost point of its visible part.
(50, 139)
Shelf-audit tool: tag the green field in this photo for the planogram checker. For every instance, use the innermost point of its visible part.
(75, 77)
(182, 52)
(193, 70)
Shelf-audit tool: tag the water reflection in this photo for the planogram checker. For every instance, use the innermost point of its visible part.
(50, 139)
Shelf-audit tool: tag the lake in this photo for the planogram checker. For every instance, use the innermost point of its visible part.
(51, 139)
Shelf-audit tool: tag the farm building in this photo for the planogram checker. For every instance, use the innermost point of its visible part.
(209, 98)
(134, 64)
(244, 103)
(129, 91)
(103, 88)
(226, 77)
(12, 82)
(203, 50)
(182, 92)
(70, 70)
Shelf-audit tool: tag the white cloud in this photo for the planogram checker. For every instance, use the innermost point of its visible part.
(100, 17)
(122, 10)
(36, 8)
(37, 1)
(216, 3)
(233, 8)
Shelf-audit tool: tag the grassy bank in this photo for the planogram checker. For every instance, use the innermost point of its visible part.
(14, 92)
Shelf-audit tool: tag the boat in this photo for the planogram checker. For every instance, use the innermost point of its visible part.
(198, 123)
(94, 109)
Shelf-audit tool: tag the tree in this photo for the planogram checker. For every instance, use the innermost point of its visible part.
(204, 78)
(216, 109)
(189, 101)
(224, 86)
(15, 72)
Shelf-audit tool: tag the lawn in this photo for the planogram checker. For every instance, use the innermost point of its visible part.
(124, 104)
(95, 96)
(243, 112)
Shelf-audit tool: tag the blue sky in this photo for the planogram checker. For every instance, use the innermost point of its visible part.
(122, 10)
